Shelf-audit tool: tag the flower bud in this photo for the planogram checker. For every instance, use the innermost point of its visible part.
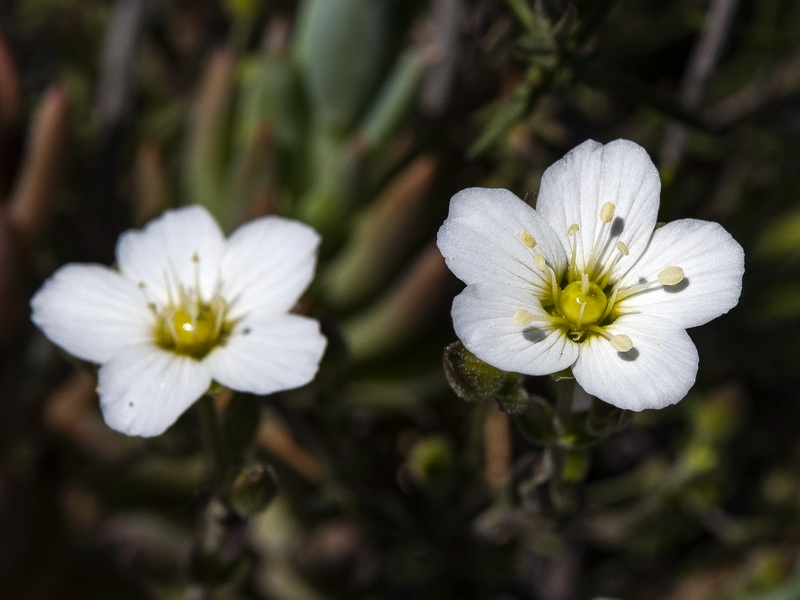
(253, 489)
(469, 377)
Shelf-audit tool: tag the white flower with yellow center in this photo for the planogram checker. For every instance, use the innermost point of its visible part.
(586, 281)
(186, 307)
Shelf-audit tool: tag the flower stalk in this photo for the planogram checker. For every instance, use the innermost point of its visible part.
(218, 458)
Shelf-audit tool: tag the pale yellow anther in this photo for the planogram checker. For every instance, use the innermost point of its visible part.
(607, 212)
(671, 276)
(622, 247)
(522, 318)
(540, 262)
(621, 343)
(527, 239)
(573, 229)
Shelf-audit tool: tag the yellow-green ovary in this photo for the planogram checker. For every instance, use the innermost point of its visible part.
(573, 297)
(189, 336)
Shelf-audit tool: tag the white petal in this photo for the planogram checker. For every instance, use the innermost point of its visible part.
(143, 390)
(263, 356)
(91, 311)
(267, 264)
(712, 263)
(483, 317)
(658, 371)
(165, 251)
(574, 190)
(481, 240)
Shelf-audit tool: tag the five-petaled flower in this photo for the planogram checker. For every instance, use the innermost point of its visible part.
(587, 281)
(186, 307)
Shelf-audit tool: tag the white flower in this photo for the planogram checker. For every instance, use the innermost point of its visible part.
(586, 281)
(187, 307)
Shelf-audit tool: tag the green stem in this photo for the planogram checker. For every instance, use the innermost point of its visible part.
(566, 390)
(217, 455)
(524, 13)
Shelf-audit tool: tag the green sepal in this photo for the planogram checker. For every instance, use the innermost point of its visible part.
(470, 378)
(253, 489)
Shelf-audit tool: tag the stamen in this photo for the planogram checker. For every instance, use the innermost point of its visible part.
(150, 303)
(584, 283)
(522, 318)
(635, 289)
(187, 324)
(599, 248)
(666, 277)
(183, 297)
(527, 239)
(607, 212)
(168, 287)
(671, 276)
(605, 276)
(620, 343)
(571, 231)
(611, 300)
(219, 315)
(542, 265)
(170, 323)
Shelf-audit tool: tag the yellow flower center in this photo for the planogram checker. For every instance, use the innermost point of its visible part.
(189, 325)
(192, 331)
(582, 302)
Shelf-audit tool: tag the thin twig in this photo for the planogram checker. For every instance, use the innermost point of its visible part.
(701, 64)
(782, 81)
(115, 86)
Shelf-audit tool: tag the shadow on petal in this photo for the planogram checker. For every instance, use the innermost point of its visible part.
(629, 356)
(678, 287)
(617, 225)
(534, 334)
